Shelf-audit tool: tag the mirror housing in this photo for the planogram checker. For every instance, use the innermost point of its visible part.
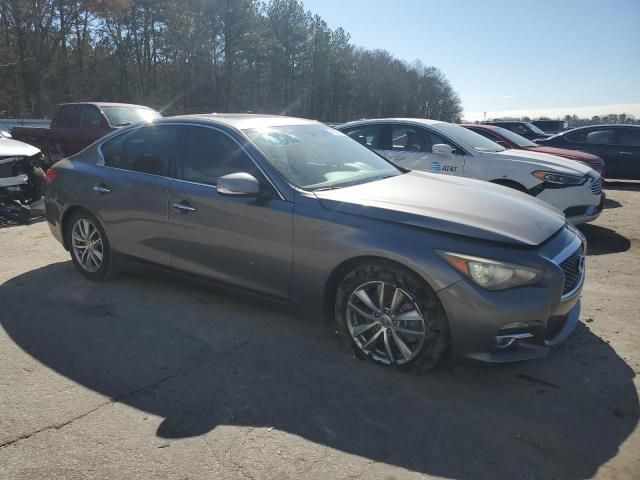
(442, 149)
(239, 184)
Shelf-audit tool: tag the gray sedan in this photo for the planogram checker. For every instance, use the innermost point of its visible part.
(411, 266)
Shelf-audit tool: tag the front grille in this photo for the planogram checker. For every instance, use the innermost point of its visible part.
(573, 268)
(596, 186)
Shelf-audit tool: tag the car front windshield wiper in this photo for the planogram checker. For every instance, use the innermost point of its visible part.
(123, 124)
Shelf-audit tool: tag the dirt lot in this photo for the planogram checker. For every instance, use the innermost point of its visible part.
(149, 378)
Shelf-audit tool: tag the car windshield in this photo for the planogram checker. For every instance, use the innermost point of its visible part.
(535, 129)
(515, 138)
(317, 157)
(468, 138)
(120, 116)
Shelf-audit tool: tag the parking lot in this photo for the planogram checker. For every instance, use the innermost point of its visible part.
(144, 377)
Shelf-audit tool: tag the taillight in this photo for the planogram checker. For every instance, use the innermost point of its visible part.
(52, 173)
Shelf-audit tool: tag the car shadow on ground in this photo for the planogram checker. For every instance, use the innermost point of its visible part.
(200, 359)
(609, 204)
(621, 185)
(602, 240)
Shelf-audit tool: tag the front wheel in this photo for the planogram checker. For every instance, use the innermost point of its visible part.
(89, 247)
(392, 316)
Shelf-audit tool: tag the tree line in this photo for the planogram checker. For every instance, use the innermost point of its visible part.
(187, 56)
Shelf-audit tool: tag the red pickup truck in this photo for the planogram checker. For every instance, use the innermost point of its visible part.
(75, 126)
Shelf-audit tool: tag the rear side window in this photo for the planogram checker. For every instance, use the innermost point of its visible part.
(369, 135)
(600, 136)
(68, 116)
(210, 154)
(630, 137)
(89, 116)
(146, 150)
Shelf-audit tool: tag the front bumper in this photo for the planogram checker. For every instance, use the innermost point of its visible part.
(520, 323)
(476, 319)
(582, 203)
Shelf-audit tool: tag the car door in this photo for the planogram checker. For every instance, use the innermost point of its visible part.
(91, 127)
(600, 141)
(63, 132)
(130, 191)
(242, 241)
(628, 154)
(411, 147)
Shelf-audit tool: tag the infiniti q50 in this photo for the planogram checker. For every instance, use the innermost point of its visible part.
(411, 266)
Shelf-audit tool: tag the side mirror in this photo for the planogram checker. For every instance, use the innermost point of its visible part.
(442, 149)
(238, 184)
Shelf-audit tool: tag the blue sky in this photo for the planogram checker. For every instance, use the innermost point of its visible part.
(542, 56)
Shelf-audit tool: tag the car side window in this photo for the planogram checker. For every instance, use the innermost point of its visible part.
(600, 136)
(89, 116)
(210, 154)
(68, 116)
(369, 135)
(146, 150)
(630, 137)
(485, 133)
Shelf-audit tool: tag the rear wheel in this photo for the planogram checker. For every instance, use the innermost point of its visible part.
(392, 316)
(89, 247)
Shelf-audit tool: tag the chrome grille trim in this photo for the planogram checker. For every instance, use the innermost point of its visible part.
(566, 260)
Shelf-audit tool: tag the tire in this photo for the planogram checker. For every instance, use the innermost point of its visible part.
(96, 261)
(38, 182)
(411, 332)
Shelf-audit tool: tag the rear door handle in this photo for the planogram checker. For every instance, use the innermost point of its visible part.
(625, 153)
(102, 188)
(183, 206)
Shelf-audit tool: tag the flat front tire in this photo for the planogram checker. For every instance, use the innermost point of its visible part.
(392, 316)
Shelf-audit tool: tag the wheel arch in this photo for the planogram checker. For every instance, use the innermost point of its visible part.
(505, 182)
(64, 222)
(342, 269)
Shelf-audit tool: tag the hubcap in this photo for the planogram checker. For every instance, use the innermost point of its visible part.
(385, 323)
(86, 243)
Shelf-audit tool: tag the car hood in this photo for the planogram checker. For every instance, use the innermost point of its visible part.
(460, 206)
(14, 148)
(541, 160)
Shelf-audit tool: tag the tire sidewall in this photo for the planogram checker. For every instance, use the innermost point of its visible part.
(106, 268)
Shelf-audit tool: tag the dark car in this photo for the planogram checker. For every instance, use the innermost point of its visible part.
(524, 129)
(409, 265)
(77, 125)
(617, 145)
(509, 139)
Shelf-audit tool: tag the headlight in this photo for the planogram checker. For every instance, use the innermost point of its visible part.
(491, 274)
(559, 178)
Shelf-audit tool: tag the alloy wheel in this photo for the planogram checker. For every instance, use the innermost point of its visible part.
(87, 245)
(385, 323)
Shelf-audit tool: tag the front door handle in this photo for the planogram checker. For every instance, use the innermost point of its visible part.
(625, 153)
(184, 207)
(102, 188)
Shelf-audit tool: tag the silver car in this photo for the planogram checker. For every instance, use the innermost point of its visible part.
(411, 266)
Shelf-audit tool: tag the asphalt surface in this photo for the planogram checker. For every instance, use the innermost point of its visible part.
(144, 377)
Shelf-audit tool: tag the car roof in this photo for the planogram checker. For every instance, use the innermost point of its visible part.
(364, 121)
(241, 121)
(105, 104)
(483, 126)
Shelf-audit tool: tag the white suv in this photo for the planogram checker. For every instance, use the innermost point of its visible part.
(446, 148)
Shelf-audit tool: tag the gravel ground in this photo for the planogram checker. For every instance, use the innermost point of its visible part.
(142, 377)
